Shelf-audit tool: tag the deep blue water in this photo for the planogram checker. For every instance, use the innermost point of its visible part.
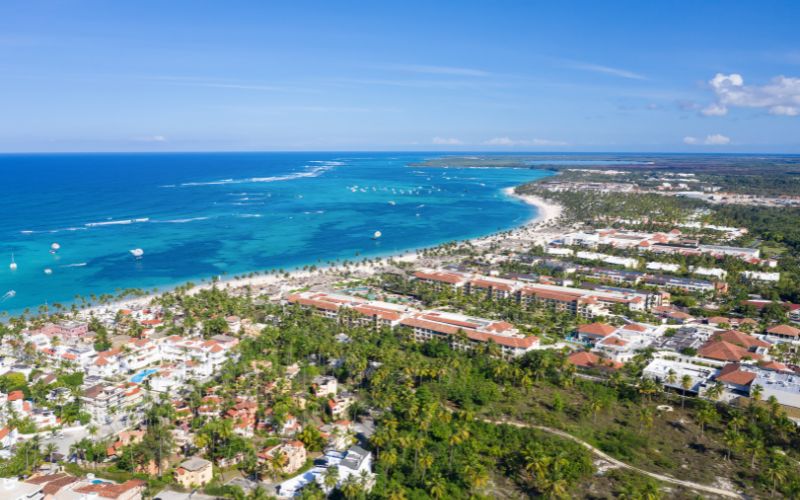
(200, 215)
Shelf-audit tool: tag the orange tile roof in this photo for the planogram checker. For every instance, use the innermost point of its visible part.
(597, 329)
(725, 351)
(450, 278)
(731, 374)
(741, 339)
(784, 330)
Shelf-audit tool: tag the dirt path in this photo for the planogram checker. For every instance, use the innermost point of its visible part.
(604, 456)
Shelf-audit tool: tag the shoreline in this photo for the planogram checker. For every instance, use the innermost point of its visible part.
(535, 230)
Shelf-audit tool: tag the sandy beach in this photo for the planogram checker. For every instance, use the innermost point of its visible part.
(276, 285)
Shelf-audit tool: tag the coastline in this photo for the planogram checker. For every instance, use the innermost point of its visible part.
(536, 230)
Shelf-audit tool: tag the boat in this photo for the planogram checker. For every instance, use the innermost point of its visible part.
(376, 235)
(137, 253)
(8, 295)
(48, 271)
(13, 265)
(55, 247)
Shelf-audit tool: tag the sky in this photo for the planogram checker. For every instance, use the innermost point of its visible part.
(197, 75)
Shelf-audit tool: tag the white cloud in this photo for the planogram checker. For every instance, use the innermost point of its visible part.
(500, 141)
(608, 70)
(717, 140)
(447, 141)
(714, 109)
(710, 140)
(507, 141)
(152, 138)
(435, 70)
(779, 97)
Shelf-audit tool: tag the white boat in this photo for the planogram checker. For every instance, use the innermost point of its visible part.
(137, 253)
(48, 271)
(13, 265)
(376, 235)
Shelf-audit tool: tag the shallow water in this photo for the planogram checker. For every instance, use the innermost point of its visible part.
(201, 215)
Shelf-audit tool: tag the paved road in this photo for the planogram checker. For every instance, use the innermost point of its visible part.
(599, 453)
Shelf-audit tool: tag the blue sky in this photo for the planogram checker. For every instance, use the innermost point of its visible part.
(431, 75)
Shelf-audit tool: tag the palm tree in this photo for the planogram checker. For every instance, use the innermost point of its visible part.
(49, 450)
(646, 417)
(706, 415)
(715, 391)
(595, 405)
(686, 384)
(733, 441)
(437, 487)
(755, 392)
(775, 472)
(331, 478)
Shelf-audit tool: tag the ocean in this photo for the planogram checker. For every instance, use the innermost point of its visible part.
(200, 215)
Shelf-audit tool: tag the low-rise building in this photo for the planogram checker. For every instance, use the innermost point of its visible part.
(291, 456)
(194, 472)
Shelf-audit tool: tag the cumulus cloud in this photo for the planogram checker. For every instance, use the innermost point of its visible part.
(710, 140)
(447, 141)
(507, 141)
(781, 96)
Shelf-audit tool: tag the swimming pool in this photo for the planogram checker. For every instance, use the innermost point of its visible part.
(139, 377)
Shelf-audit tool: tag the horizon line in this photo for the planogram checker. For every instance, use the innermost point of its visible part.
(399, 151)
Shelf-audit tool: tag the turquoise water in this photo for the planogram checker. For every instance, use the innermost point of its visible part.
(141, 375)
(201, 215)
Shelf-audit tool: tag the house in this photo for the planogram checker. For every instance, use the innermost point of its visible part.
(763, 277)
(194, 472)
(734, 346)
(356, 462)
(735, 378)
(324, 386)
(338, 434)
(590, 360)
(12, 489)
(672, 373)
(125, 438)
(292, 456)
(785, 332)
(93, 488)
(593, 332)
(338, 405)
(8, 436)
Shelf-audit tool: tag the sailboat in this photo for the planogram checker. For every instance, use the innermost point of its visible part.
(13, 265)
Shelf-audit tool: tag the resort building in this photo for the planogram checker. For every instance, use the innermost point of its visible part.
(461, 332)
(464, 332)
